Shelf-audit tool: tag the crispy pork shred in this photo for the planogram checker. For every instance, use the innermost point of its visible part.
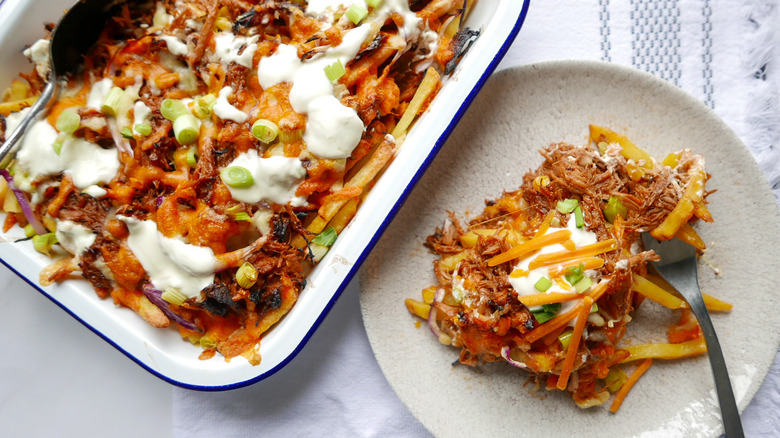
(490, 308)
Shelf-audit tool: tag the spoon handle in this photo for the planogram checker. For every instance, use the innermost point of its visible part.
(8, 149)
(728, 406)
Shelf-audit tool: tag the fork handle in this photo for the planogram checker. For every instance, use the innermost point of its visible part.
(728, 406)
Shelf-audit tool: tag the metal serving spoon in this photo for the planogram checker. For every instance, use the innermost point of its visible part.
(73, 36)
(678, 266)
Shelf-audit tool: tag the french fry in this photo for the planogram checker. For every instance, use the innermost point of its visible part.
(629, 151)
(7, 108)
(666, 351)
(682, 212)
(687, 234)
(429, 84)
(654, 292)
(363, 177)
(418, 308)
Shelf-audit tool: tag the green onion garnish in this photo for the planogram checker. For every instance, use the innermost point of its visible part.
(68, 121)
(192, 158)
(614, 208)
(207, 343)
(171, 109)
(615, 379)
(126, 133)
(174, 296)
(327, 237)
(542, 317)
(373, 3)
(552, 308)
(356, 13)
(242, 216)
(43, 243)
(583, 284)
(578, 219)
(29, 231)
(543, 284)
(237, 176)
(111, 103)
(566, 206)
(565, 338)
(204, 105)
(594, 308)
(575, 274)
(186, 128)
(58, 142)
(335, 71)
(143, 128)
(246, 276)
(290, 136)
(265, 130)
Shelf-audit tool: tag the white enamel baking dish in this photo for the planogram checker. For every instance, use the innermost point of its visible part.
(163, 352)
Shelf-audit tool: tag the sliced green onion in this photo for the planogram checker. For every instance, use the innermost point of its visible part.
(565, 338)
(566, 206)
(335, 71)
(112, 101)
(58, 142)
(68, 121)
(318, 251)
(207, 343)
(552, 308)
(172, 109)
(574, 274)
(143, 128)
(186, 128)
(126, 133)
(43, 243)
(542, 317)
(543, 284)
(356, 13)
(237, 176)
(615, 379)
(614, 208)
(594, 308)
(265, 130)
(29, 230)
(578, 219)
(326, 238)
(583, 284)
(246, 276)
(174, 296)
(242, 216)
(204, 105)
(192, 158)
(373, 3)
(290, 136)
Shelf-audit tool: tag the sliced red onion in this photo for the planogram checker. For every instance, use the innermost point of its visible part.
(508, 358)
(26, 208)
(437, 298)
(155, 296)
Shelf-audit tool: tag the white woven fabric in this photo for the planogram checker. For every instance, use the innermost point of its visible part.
(726, 53)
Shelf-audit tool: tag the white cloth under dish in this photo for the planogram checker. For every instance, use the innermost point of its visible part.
(726, 53)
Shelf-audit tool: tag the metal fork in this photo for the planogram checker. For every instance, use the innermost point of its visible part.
(678, 266)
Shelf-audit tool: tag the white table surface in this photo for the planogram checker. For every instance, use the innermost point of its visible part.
(59, 379)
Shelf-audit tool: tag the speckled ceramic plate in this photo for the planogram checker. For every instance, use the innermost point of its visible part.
(518, 112)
